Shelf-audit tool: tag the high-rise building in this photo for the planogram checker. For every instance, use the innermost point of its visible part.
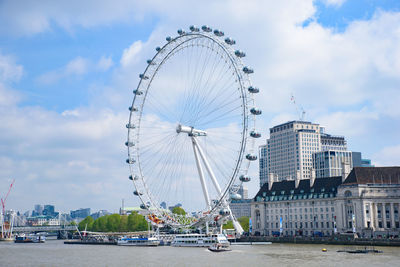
(49, 210)
(329, 163)
(81, 213)
(289, 151)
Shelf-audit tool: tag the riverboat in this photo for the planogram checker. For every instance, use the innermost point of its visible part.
(138, 241)
(30, 239)
(219, 247)
(199, 240)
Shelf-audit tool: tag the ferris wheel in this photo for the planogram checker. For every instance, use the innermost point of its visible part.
(191, 129)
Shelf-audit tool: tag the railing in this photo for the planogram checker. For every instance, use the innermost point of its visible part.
(48, 228)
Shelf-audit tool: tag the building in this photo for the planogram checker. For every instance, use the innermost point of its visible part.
(263, 164)
(365, 201)
(241, 207)
(332, 142)
(102, 213)
(329, 163)
(289, 151)
(80, 213)
(368, 202)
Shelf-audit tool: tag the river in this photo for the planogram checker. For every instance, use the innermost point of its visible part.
(56, 253)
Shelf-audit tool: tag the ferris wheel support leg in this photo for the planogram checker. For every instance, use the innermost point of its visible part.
(238, 228)
(201, 174)
(208, 168)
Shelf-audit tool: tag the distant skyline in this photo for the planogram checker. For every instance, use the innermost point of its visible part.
(67, 70)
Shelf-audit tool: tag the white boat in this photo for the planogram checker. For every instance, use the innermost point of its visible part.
(32, 238)
(198, 240)
(138, 241)
(219, 247)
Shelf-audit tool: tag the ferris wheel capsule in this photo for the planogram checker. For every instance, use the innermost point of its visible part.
(133, 108)
(205, 28)
(142, 76)
(235, 196)
(251, 157)
(230, 41)
(255, 111)
(181, 32)
(255, 134)
(245, 178)
(218, 33)
(130, 126)
(224, 212)
(168, 38)
(130, 161)
(193, 28)
(137, 92)
(129, 144)
(253, 90)
(136, 193)
(239, 53)
(133, 177)
(158, 49)
(248, 70)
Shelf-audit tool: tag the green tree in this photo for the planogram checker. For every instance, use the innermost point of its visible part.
(123, 225)
(136, 222)
(113, 222)
(228, 225)
(101, 224)
(179, 211)
(86, 223)
(244, 222)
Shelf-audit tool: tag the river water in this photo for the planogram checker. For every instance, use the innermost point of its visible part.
(56, 253)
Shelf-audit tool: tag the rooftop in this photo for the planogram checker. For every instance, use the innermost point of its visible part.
(374, 175)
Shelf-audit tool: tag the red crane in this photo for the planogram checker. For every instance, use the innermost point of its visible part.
(3, 201)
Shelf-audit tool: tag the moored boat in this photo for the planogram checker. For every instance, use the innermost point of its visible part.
(138, 241)
(30, 239)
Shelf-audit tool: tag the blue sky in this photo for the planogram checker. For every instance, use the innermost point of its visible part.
(67, 69)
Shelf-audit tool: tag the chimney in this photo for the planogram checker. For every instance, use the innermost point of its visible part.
(312, 179)
(345, 169)
(298, 178)
(271, 178)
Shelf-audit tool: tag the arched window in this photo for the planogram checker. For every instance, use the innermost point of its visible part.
(347, 193)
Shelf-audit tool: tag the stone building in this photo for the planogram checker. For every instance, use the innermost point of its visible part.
(366, 202)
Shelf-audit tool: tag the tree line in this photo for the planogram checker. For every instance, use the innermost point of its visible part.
(115, 223)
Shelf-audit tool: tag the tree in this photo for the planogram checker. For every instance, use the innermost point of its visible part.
(123, 225)
(101, 224)
(86, 223)
(136, 222)
(178, 210)
(228, 225)
(244, 222)
(113, 222)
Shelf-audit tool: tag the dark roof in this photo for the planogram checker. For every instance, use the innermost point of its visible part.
(287, 188)
(374, 175)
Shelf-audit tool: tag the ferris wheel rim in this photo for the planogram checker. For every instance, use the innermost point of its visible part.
(246, 114)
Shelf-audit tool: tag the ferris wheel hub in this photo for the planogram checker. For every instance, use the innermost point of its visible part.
(191, 131)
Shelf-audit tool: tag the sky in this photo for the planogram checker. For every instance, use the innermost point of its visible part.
(67, 70)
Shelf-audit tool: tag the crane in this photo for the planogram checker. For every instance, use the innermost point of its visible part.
(303, 112)
(3, 201)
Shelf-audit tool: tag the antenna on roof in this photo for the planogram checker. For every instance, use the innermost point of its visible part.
(298, 107)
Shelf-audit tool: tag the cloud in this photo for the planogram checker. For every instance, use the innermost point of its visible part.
(388, 156)
(346, 81)
(77, 67)
(9, 70)
(129, 55)
(335, 3)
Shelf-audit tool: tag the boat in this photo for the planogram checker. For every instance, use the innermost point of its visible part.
(361, 251)
(30, 238)
(219, 247)
(138, 241)
(198, 240)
